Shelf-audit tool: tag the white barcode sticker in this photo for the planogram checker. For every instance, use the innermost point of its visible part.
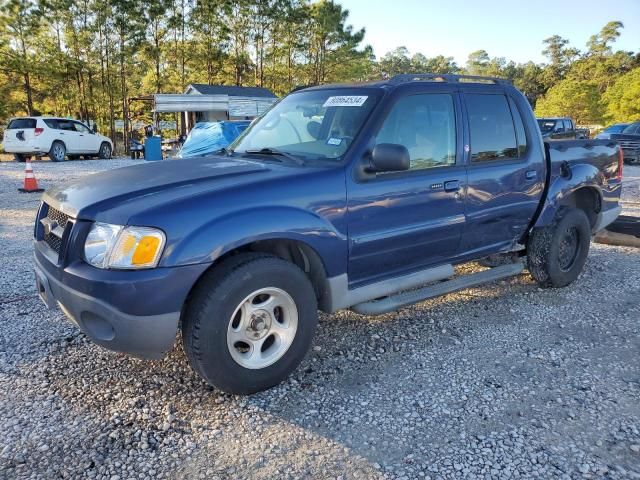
(345, 101)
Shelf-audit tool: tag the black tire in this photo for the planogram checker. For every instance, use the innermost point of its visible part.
(211, 306)
(18, 157)
(556, 254)
(58, 152)
(105, 151)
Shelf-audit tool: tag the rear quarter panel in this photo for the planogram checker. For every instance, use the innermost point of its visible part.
(576, 164)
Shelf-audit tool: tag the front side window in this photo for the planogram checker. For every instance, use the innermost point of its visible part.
(311, 124)
(426, 125)
(80, 127)
(491, 130)
(568, 125)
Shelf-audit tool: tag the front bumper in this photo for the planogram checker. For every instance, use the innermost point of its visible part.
(138, 317)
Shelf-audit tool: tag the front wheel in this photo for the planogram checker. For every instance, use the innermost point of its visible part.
(57, 152)
(249, 323)
(18, 157)
(105, 151)
(556, 254)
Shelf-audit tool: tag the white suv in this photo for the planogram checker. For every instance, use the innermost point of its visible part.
(55, 137)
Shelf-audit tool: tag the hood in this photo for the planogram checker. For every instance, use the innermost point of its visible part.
(150, 183)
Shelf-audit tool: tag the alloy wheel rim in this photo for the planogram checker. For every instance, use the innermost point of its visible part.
(262, 328)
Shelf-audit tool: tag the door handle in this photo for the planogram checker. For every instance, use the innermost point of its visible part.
(531, 175)
(452, 185)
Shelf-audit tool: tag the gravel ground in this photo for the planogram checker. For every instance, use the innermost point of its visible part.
(503, 381)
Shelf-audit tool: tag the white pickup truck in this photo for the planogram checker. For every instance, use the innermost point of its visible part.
(54, 137)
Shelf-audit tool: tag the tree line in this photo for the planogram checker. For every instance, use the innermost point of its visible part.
(86, 58)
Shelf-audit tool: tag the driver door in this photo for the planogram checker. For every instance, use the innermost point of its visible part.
(86, 139)
(401, 222)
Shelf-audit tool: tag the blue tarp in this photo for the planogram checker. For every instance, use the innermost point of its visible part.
(208, 137)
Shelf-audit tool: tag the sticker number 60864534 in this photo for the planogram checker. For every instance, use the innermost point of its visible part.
(346, 101)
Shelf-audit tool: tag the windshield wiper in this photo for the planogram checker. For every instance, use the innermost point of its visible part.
(276, 153)
(223, 151)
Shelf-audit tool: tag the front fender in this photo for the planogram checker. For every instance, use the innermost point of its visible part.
(564, 185)
(212, 240)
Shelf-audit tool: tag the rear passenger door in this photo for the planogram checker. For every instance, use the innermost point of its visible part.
(505, 172)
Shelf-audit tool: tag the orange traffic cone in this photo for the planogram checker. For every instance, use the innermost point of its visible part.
(30, 182)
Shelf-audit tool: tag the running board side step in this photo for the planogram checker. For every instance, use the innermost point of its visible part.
(403, 299)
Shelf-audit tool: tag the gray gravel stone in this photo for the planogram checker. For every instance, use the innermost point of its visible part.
(502, 381)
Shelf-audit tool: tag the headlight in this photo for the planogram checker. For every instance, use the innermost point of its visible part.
(115, 246)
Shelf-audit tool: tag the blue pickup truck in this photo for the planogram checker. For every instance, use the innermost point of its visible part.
(360, 196)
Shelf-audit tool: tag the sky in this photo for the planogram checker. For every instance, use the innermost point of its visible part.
(504, 28)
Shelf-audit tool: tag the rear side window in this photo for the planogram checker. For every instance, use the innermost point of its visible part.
(521, 135)
(51, 123)
(493, 136)
(17, 123)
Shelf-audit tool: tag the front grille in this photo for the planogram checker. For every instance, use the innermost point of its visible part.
(54, 242)
(54, 238)
(60, 218)
(630, 145)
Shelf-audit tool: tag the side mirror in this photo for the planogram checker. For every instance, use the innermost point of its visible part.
(389, 157)
(94, 129)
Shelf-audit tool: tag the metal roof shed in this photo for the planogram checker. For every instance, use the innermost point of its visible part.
(215, 102)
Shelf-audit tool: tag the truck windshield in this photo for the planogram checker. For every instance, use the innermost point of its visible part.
(312, 124)
(546, 125)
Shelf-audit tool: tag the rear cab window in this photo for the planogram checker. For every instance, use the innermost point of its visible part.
(19, 123)
(491, 128)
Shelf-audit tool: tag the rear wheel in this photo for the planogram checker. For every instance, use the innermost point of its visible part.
(18, 157)
(249, 323)
(57, 152)
(556, 254)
